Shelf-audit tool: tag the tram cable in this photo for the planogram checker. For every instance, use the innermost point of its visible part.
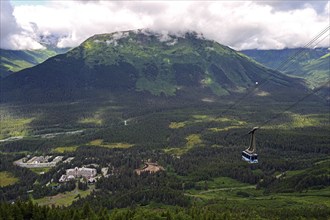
(282, 66)
(249, 154)
(295, 103)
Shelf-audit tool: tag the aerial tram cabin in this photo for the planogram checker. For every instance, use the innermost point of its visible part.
(250, 154)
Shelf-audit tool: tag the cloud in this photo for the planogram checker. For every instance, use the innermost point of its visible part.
(12, 36)
(7, 21)
(280, 5)
(238, 24)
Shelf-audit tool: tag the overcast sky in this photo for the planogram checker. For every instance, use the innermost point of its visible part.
(238, 24)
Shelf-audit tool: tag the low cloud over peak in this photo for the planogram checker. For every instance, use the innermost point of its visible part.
(240, 25)
(12, 35)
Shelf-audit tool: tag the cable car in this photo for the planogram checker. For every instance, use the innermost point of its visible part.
(250, 154)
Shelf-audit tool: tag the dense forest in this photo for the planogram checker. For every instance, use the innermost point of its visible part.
(28, 210)
(143, 124)
(199, 148)
(196, 137)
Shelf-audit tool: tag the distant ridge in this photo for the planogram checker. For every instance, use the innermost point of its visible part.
(312, 64)
(16, 60)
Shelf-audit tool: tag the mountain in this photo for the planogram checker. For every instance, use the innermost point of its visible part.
(146, 62)
(16, 60)
(317, 71)
(125, 101)
(310, 64)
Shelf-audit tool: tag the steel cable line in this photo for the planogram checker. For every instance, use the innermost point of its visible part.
(289, 107)
(281, 67)
(283, 64)
(248, 157)
(299, 52)
(295, 103)
(326, 36)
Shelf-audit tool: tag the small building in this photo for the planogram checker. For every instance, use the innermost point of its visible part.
(92, 180)
(71, 174)
(70, 177)
(63, 178)
(82, 172)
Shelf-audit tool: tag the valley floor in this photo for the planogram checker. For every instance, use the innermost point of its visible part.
(199, 151)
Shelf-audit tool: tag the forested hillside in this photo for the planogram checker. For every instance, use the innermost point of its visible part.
(310, 64)
(145, 62)
(162, 125)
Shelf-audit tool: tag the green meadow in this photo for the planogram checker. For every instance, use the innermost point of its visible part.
(6, 178)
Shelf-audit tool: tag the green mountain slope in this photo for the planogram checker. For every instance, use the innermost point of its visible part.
(317, 71)
(16, 60)
(310, 64)
(147, 62)
(124, 98)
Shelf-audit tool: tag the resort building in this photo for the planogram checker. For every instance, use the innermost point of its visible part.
(84, 172)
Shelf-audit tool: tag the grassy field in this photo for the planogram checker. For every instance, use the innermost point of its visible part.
(65, 149)
(301, 121)
(100, 143)
(156, 87)
(95, 120)
(291, 173)
(224, 123)
(64, 199)
(11, 127)
(228, 191)
(7, 178)
(223, 182)
(40, 170)
(96, 143)
(176, 125)
(192, 141)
